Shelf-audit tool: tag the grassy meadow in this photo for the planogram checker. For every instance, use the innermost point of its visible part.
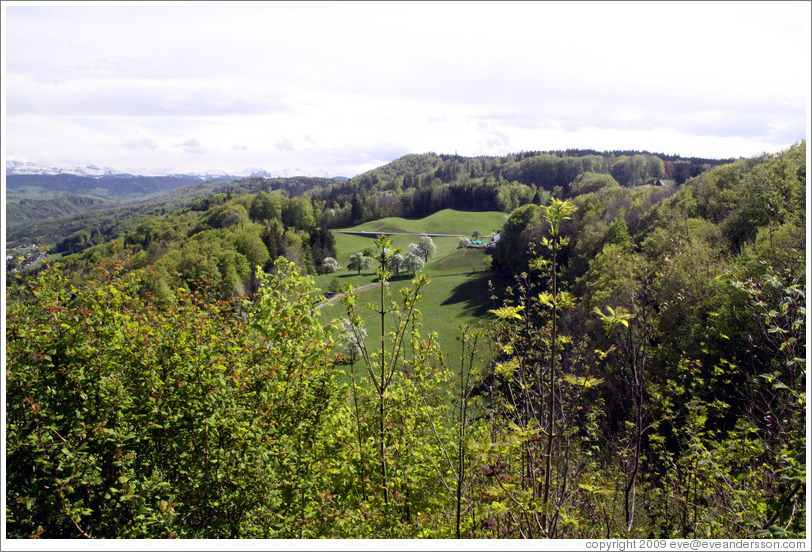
(447, 221)
(458, 291)
(447, 260)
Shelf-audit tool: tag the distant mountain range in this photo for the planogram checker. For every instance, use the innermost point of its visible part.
(32, 182)
(19, 168)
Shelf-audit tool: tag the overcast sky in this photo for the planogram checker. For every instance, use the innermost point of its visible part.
(339, 88)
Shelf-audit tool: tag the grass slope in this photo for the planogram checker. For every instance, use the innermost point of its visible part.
(447, 221)
(447, 260)
(448, 302)
(458, 292)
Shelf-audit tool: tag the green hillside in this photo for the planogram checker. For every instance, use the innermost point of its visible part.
(447, 260)
(448, 301)
(22, 211)
(458, 292)
(447, 221)
(461, 260)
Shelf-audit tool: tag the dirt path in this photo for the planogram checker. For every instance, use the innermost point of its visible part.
(337, 296)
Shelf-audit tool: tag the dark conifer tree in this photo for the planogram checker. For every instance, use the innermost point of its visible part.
(357, 210)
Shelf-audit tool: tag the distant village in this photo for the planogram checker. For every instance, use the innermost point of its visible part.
(20, 257)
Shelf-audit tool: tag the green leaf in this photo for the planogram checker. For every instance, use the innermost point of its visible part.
(507, 313)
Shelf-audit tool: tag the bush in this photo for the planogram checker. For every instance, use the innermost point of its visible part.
(125, 420)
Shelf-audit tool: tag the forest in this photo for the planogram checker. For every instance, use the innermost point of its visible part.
(638, 369)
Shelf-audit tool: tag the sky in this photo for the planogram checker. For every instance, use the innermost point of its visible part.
(338, 88)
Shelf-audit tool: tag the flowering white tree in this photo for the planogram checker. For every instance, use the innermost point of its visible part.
(412, 262)
(359, 262)
(396, 264)
(426, 247)
(351, 339)
(329, 265)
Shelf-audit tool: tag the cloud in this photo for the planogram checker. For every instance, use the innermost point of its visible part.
(335, 88)
(191, 143)
(284, 145)
(760, 120)
(140, 143)
(85, 97)
(191, 146)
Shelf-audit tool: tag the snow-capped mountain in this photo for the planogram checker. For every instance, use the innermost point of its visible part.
(18, 167)
(213, 174)
(94, 171)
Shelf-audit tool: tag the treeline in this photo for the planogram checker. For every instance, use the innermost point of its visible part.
(27, 209)
(648, 379)
(218, 243)
(119, 186)
(416, 186)
(413, 186)
(100, 223)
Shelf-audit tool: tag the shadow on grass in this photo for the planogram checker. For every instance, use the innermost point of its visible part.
(402, 278)
(474, 294)
(362, 279)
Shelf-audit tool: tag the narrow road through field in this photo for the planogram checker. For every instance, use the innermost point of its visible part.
(337, 296)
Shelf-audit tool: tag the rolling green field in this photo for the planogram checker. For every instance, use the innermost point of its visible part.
(448, 302)
(447, 221)
(447, 260)
(458, 291)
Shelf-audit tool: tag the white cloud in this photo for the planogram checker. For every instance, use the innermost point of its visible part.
(141, 97)
(140, 143)
(340, 87)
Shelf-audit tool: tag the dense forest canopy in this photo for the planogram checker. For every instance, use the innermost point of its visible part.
(413, 186)
(417, 185)
(641, 372)
(46, 215)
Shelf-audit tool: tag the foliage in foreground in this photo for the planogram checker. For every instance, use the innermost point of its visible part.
(125, 420)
